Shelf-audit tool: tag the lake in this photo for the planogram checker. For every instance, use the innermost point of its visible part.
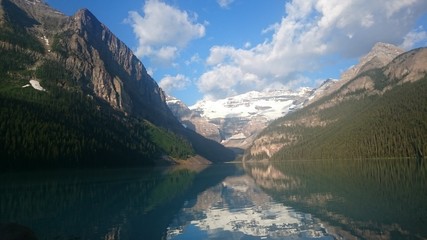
(358, 199)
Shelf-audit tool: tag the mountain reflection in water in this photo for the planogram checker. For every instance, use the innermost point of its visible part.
(238, 209)
(376, 199)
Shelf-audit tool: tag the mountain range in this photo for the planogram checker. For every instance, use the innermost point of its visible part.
(73, 94)
(378, 109)
(238, 121)
(235, 121)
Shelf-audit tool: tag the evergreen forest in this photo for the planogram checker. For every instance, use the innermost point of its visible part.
(64, 127)
(390, 125)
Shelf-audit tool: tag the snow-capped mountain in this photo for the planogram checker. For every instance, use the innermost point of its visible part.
(269, 104)
(234, 121)
(192, 120)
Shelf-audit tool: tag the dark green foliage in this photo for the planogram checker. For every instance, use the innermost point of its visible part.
(54, 75)
(169, 142)
(59, 128)
(392, 125)
(53, 71)
(207, 148)
(14, 60)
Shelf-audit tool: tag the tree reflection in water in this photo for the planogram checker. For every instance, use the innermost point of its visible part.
(372, 199)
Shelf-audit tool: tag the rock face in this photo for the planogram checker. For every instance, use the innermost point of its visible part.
(193, 120)
(103, 65)
(110, 69)
(380, 55)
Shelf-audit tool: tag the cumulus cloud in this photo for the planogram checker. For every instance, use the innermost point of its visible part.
(217, 82)
(224, 3)
(163, 30)
(414, 37)
(310, 32)
(194, 59)
(170, 83)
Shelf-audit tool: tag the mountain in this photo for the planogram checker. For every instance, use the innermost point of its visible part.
(193, 120)
(380, 55)
(235, 121)
(378, 109)
(90, 101)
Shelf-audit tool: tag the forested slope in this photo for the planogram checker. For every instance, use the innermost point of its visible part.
(380, 113)
(43, 129)
(393, 125)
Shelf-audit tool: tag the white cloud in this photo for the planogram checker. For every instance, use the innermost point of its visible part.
(163, 30)
(194, 59)
(178, 82)
(222, 81)
(224, 3)
(413, 38)
(310, 32)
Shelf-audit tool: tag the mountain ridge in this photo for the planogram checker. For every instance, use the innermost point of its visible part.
(79, 61)
(368, 116)
(379, 56)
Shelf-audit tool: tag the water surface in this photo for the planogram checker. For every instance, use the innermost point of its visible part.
(377, 199)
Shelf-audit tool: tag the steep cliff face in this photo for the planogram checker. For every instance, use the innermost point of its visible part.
(110, 69)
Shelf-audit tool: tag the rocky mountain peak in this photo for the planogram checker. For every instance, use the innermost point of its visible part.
(386, 49)
(408, 67)
(39, 11)
(87, 21)
(380, 55)
(113, 72)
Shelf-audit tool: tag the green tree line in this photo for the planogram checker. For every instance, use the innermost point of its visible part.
(66, 128)
(375, 126)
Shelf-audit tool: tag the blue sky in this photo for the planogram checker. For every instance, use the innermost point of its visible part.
(211, 49)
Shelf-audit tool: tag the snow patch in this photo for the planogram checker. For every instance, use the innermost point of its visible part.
(35, 84)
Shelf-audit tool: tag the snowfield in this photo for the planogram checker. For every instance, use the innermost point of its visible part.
(269, 104)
